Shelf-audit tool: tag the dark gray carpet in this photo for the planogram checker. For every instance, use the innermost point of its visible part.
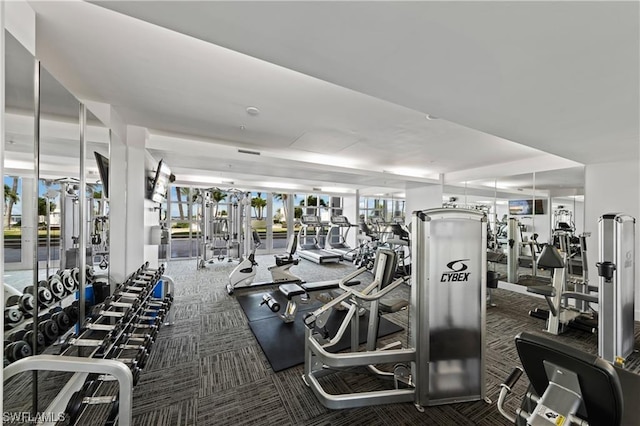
(208, 369)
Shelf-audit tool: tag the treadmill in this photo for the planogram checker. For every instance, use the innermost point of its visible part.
(337, 240)
(308, 244)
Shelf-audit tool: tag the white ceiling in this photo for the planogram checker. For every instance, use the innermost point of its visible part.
(344, 87)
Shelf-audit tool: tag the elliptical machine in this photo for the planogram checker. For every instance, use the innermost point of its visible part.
(244, 274)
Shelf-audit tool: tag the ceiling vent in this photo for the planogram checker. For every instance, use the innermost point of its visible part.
(317, 189)
(246, 151)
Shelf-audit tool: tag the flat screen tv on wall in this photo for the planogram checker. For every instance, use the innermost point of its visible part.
(525, 207)
(103, 169)
(160, 183)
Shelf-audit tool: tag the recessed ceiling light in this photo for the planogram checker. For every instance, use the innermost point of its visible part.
(253, 110)
(242, 127)
(431, 117)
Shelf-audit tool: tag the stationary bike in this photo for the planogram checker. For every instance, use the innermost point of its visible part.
(244, 274)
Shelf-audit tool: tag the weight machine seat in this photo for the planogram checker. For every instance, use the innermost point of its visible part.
(291, 290)
(600, 386)
(286, 259)
(495, 257)
(393, 305)
(544, 290)
(550, 258)
(580, 296)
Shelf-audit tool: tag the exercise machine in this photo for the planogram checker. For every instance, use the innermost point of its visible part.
(616, 287)
(560, 314)
(369, 241)
(445, 358)
(569, 387)
(339, 227)
(243, 275)
(309, 245)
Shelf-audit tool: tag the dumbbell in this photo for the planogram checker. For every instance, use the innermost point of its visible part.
(68, 281)
(80, 399)
(75, 276)
(139, 360)
(17, 350)
(26, 303)
(48, 328)
(271, 303)
(116, 330)
(60, 317)
(73, 312)
(131, 328)
(12, 316)
(118, 351)
(55, 286)
(17, 335)
(100, 345)
(134, 302)
(41, 344)
(89, 273)
(42, 294)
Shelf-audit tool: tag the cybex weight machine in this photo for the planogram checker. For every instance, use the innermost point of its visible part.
(445, 358)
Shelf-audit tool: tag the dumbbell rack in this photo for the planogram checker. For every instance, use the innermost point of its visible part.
(123, 328)
(56, 314)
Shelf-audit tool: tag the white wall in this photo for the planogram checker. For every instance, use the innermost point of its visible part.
(421, 198)
(611, 188)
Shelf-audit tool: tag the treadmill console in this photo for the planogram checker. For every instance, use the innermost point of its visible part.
(310, 220)
(340, 220)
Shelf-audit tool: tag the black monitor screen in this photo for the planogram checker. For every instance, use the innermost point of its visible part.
(160, 183)
(103, 169)
(525, 207)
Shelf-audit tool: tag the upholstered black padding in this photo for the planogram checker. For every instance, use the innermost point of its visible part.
(285, 259)
(580, 296)
(326, 285)
(492, 279)
(550, 258)
(599, 383)
(544, 290)
(393, 305)
(291, 290)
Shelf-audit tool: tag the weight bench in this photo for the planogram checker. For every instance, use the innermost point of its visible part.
(300, 293)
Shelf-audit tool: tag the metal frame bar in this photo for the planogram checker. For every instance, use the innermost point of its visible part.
(359, 399)
(36, 163)
(82, 201)
(113, 368)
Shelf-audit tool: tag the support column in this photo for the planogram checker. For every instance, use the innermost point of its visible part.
(127, 201)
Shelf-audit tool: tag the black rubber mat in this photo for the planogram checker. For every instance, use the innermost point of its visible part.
(283, 344)
(250, 304)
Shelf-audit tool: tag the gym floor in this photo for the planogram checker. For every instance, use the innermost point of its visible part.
(208, 368)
